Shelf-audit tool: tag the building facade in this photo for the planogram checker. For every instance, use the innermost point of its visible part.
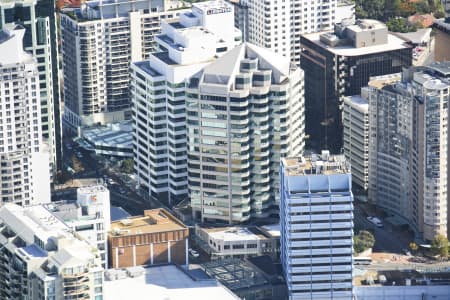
(89, 216)
(277, 25)
(316, 217)
(99, 41)
(441, 40)
(337, 64)
(356, 138)
(186, 45)
(24, 158)
(39, 20)
(152, 239)
(245, 111)
(408, 167)
(41, 258)
(238, 242)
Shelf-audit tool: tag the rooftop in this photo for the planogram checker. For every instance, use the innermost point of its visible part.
(359, 102)
(324, 164)
(366, 24)
(442, 25)
(234, 233)
(394, 43)
(145, 66)
(116, 135)
(442, 68)
(155, 220)
(33, 221)
(163, 283)
(384, 80)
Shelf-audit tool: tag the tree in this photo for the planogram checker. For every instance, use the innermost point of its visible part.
(439, 246)
(127, 166)
(363, 240)
(373, 9)
(413, 246)
(400, 25)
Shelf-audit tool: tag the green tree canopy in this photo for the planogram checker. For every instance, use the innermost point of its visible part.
(127, 166)
(439, 245)
(363, 240)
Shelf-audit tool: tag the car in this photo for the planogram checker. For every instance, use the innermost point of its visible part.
(375, 221)
(193, 252)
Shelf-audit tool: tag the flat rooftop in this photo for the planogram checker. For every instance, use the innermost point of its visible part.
(164, 283)
(155, 220)
(442, 68)
(234, 233)
(145, 66)
(314, 164)
(359, 102)
(32, 221)
(394, 43)
(381, 81)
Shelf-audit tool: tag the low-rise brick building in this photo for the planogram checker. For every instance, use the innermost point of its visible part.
(155, 238)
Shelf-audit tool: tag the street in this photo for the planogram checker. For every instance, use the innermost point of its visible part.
(120, 193)
(387, 238)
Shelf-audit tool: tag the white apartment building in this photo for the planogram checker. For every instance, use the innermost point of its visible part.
(24, 159)
(245, 111)
(88, 215)
(316, 216)
(186, 45)
(277, 24)
(356, 138)
(408, 163)
(41, 258)
(99, 42)
(40, 40)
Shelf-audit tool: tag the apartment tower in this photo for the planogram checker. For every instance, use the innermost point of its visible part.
(277, 24)
(40, 39)
(356, 138)
(245, 112)
(316, 217)
(99, 42)
(408, 164)
(24, 158)
(41, 258)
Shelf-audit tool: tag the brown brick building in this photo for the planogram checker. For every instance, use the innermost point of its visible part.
(155, 238)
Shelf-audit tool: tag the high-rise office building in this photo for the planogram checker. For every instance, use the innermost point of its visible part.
(337, 64)
(39, 20)
(245, 111)
(41, 258)
(186, 45)
(277, 24)
(408, 166)
(99, 42)
(316, 217)
(442, 39)
(89, 215)
(24, 158)
(356, 138)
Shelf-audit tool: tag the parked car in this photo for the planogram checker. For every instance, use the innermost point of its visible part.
(193, 252)
(374, 220)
